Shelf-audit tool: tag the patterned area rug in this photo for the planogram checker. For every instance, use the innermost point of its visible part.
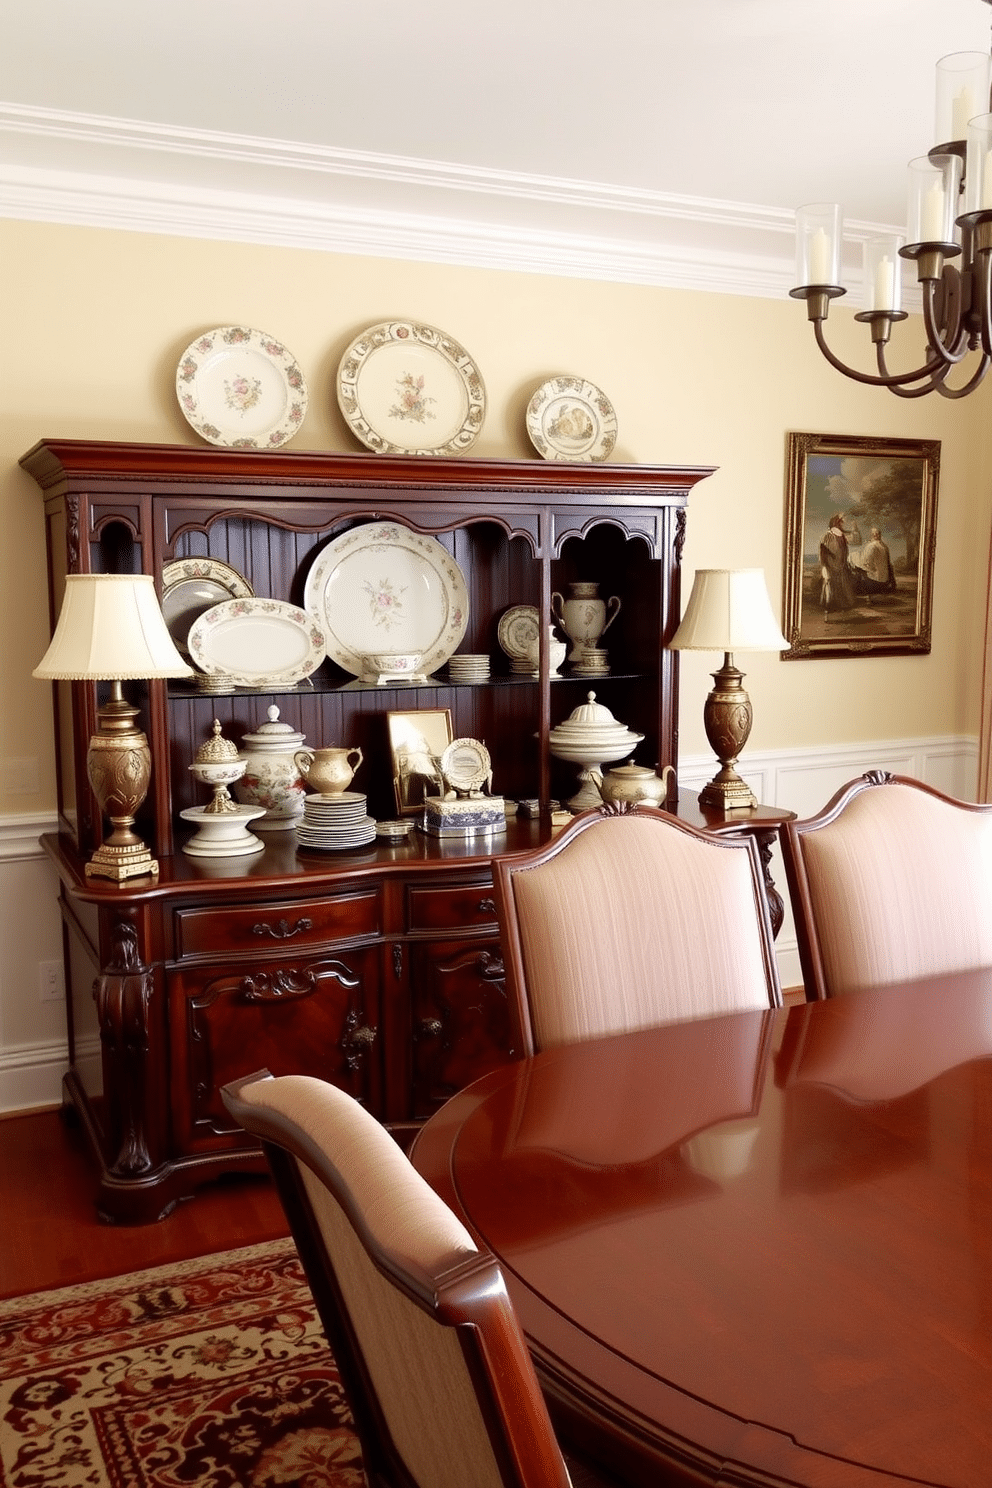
(213, 1373)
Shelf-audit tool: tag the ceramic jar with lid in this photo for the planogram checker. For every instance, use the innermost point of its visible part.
(272, 777)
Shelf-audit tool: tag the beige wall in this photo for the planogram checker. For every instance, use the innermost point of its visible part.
(93, 322)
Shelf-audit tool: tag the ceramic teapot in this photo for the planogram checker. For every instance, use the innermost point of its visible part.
(634, 783)
(328, 771)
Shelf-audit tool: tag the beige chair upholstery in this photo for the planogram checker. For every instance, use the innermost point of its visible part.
(630, 919)
(891, 882)
(431, 1356)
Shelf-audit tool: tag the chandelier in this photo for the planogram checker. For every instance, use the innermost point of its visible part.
(948, 236)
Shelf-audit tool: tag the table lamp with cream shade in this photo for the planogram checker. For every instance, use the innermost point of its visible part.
(728, 610)
(111, 629)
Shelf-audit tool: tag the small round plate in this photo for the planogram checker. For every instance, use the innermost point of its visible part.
(518, 628)
(465, 764)
(393, 830)
(569, 418)
(241, 388)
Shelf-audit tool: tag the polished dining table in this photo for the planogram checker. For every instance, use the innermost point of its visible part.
(753, 1249)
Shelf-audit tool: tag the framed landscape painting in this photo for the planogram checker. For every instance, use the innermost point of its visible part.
(860, 536)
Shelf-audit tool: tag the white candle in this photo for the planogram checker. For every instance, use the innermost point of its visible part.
(963, 108)
(987, 181)
(932, 213)
(885, 284)
(819, 257)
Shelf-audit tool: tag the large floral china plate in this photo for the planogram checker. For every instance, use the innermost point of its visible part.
(241, 388)
(569, 418)
(261, 643)
(411, 389)
(381, 587)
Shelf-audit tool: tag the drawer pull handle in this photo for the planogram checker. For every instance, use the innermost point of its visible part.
(282, 929)
(487, 906)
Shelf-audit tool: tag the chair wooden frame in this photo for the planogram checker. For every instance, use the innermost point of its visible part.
(809, 932)
(470, 1297)
(506, 870)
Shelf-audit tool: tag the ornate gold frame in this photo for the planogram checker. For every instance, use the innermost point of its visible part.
(871, 482)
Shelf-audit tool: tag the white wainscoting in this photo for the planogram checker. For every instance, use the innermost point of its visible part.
(33, 1050)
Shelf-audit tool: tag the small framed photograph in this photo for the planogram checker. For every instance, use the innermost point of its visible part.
(860, 537)
(417, 741)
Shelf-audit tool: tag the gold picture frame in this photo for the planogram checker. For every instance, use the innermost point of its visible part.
(860, 538)
(416, 742)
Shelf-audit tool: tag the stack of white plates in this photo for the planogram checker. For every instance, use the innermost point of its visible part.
(334, 822)
(468, 666)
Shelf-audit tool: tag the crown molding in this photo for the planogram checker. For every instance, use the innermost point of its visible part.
(93, 171)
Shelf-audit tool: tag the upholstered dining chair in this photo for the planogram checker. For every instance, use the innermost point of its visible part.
(430, 1352)
(630, 918)
(890, 882)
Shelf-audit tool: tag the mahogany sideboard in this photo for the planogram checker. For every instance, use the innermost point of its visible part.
(379, 970)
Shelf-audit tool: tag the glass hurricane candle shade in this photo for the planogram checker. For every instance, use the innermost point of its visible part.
(883, 273)
(978, 168)
(962, 93)
(818, 240)
(934, 190)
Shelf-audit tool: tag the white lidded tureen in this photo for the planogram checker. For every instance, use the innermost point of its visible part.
(590, 736)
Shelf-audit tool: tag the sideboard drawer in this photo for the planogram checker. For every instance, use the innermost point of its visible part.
(451, 909)
(202, 931)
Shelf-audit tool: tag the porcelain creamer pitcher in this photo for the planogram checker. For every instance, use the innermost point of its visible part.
(328, 771)
(584, 617)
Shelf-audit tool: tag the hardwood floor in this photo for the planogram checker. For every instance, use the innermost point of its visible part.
(50, 1234)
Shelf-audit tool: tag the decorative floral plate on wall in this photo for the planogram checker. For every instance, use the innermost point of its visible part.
(409, 389)
(569, 418)
(241, 388)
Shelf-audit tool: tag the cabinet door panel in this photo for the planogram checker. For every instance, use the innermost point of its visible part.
(317, 1017)
(461, 1028)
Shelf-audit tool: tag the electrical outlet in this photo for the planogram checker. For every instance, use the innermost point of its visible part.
(51, 981)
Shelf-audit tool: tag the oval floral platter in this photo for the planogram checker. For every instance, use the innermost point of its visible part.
(263, 643)
(569, 418)
(381, 587)
(409, 389)
(241, 388)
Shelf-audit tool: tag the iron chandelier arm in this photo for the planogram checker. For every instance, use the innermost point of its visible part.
(983, 282)
(970, 385)
(955, 347)
(883, 378)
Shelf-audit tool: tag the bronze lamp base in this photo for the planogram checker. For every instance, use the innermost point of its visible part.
(119, 766)
(727, 720)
